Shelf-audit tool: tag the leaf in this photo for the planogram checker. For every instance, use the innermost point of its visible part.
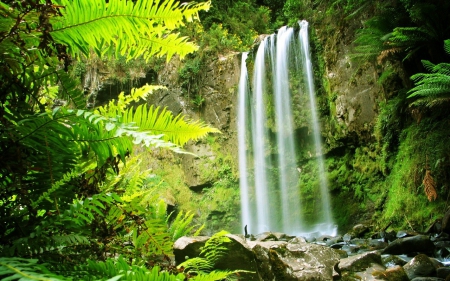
(142, 28)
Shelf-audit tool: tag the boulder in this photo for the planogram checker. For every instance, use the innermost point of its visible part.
(443, 272)
(188, 247)
(360, 262)
(392, 261)
(396, 273)
(375, 244)
(266, 236)
(359, 230)
(294, 261)
(407, 245)
(420, 266)
(372, 273)
(239, 256)
(268, 260)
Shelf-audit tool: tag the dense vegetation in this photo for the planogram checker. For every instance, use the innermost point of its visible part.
(72, 192)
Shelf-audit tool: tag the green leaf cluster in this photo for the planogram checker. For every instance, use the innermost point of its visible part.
(62, 197)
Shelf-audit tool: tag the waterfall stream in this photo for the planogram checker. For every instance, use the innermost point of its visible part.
(271, 197)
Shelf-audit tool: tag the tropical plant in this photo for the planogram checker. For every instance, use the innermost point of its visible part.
(432, 88)
(411, 29)
(202, 267)
(56, 155)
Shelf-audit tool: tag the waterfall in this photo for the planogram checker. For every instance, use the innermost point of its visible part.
(242, 134)
(288, 175)
(271, 197)
(326, 220)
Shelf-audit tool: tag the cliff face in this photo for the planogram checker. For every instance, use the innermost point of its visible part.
(209, 177)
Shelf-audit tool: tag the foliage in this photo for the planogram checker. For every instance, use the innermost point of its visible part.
(140, 28)
(418, 143)
(109, 270)
(411, 29)
(59, 160)
(391, 120)
(432, 88)
(243, 19)
(181, 225)
(211, 252)
(25, 269)
(348, 6)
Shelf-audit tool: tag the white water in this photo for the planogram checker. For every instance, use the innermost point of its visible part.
(270, 190)
(288, 175)
(259, 132)
(242, 135)
(326, 219)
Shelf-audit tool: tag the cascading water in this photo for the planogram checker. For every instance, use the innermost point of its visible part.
(242, 117)
(326, 221)
(269, 176)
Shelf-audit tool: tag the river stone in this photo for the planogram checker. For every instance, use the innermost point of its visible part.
(372, 273)
(375, 244)
(420, 266)
(350, 249)
(347, 237)
(359, 230)
(297, 240)
(266, 236)
(188, 247)
(443, 272)
(390, 261)
(300, 261)
(360, 262)
(396, 273)
(418, 243)
(334, 240)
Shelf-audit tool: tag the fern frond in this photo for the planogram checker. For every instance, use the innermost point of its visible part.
(154, 239)
(216, 275)
(181, 225)
(174, 129)
(211, 252)
(69, 90)
(137, 29)
(25, 269)
(447, 46)
(197, 265)
(114, 268)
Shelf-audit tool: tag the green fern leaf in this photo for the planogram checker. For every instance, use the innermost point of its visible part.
(136, 29)
(174, 129)
(25, 269)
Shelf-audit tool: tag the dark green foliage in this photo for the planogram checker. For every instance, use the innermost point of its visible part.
(57, 157)
(25, 269)
(203, 266)
(432, 88)
(392, 119)
(422, 146)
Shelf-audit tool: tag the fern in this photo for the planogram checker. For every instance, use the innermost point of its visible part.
(174, 129)
(25, 269)
(216, 275)
(136, 29)
(182, 225)
(115, 268)
(211, 252)
(432, 88)
(154, 239)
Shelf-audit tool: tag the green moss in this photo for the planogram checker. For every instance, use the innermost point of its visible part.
(422, 146)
